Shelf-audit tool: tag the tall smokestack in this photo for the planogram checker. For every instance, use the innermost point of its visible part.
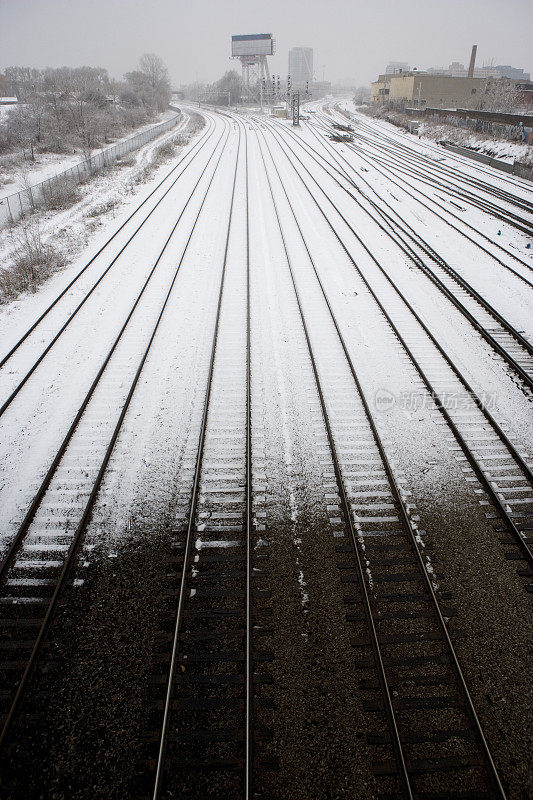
(472, 61)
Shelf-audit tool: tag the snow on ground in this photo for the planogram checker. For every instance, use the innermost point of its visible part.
(52, 395)
(149, 476)
(431, 132)
(35, 423)
(110, 196)
(47, 165)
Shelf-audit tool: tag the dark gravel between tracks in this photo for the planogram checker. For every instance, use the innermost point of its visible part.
(85, 737)
(491, 631)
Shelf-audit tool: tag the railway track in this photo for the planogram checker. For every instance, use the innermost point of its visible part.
(416, 193)
(412, 189)
(421, 724)
(17, 371)
(205, 737)
(461, 160)
(37, 566)
(449, 172)
(503, 337)
(502, 470)
(197, 146)
(406, 663)
(426, 170)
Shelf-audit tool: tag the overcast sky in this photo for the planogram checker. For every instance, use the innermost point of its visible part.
(352, 39)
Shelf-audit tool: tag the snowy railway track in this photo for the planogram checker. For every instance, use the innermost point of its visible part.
(205, 737)
(406, 663)
(428, 172)
(205, 731)
(413, 191)
(199, 144)
(503, 337)
(61, 318)
(454, 157)
(41, 556)
(502, 470)
(411, 156)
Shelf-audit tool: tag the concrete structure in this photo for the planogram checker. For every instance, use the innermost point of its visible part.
(319, 89)
(301, 66)
(439, 91)
(503, 71)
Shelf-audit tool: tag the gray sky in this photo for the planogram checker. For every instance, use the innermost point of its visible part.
(353, 38)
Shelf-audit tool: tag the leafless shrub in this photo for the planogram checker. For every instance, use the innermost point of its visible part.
(61, 193)
(165, 151)
(32, 261)
(125, 161)
(103, 208)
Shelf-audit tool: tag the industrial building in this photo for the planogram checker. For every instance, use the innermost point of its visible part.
(301, 66)
(455, 88)
(421, 90)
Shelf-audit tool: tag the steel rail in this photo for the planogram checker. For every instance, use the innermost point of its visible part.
(397, 743)
(426, 248)
(80, 530)
(509, 217)
(248, 776)
(418, 159)
(161, 754)
(364, 157)
(44, 353)
(32, 327)
(19, 536)
(526, 552)
(460, 159)
(494, 424)
(338, 155)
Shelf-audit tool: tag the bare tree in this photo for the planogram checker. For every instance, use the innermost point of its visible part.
(229, 84)
(361, 95)
(154, 75)
(501, 95)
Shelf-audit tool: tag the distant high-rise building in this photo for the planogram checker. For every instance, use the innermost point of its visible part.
(396, 66)
(301, 65)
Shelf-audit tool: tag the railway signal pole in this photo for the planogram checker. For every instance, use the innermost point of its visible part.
(296, 108)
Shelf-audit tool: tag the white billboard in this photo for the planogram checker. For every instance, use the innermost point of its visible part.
(252, 44)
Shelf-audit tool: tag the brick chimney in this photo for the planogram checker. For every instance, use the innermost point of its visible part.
(472, 61)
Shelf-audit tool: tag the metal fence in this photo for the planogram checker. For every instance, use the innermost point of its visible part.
(54, 191)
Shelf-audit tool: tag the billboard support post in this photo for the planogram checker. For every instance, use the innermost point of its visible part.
(252, 51)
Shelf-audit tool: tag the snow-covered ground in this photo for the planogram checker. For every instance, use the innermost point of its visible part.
(106, 200)
(47, 165)
(432, 132)
(341, 321)
(53, 392)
